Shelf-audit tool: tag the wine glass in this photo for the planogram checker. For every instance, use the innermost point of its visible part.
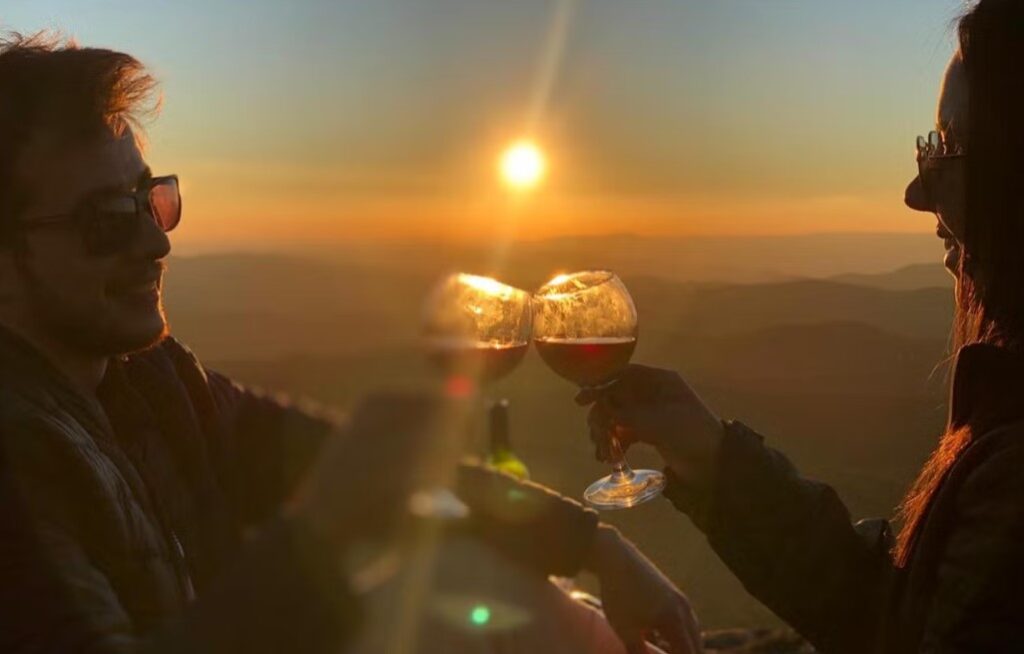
(585, 330)
(475, 330)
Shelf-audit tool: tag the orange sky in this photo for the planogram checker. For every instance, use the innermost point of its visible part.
(321, 122)
(296, 207)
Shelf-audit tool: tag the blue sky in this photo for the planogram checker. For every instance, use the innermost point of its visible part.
(718, 106)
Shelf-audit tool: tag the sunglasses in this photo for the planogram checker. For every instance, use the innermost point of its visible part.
(935, 156)
(110, 222)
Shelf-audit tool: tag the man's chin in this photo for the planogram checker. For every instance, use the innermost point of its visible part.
(144, 337)
(136, 332)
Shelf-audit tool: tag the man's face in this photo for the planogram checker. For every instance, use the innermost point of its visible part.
(57, 290)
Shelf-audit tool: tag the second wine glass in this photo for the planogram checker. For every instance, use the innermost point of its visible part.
(585, 329)
(475, 330)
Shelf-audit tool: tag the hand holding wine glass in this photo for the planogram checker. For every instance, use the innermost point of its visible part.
(585, 329)
(657, 407)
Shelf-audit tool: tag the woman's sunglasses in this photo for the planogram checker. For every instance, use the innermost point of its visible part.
(934, 157)
(110, 222)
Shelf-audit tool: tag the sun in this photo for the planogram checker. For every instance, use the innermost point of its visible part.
(522, 165)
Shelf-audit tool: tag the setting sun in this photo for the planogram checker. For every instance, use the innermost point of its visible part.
(522, 165)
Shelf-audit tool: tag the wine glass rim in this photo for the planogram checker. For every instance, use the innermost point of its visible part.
(602, 276)
(484, 284)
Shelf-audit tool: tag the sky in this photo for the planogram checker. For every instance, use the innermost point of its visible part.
(316, 121)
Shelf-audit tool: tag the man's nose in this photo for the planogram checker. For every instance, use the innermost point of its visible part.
(151, 242)
(916, 198)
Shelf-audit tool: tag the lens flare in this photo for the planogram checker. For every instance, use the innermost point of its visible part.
(522, 165)
(480, 615)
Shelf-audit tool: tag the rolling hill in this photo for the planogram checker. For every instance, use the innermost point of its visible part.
(258, 306)
(914, 276)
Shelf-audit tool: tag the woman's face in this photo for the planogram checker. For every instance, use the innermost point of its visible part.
(943, 192)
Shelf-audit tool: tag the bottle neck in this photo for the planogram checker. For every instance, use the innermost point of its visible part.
(498, 427)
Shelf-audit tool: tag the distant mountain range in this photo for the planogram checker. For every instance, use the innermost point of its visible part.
(669, 310)
(915, 276)
(246, 306)
(728, 259)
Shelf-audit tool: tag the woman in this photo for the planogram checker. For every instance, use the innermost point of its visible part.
(953, 580)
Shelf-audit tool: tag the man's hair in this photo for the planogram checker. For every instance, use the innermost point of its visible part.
(51, 89)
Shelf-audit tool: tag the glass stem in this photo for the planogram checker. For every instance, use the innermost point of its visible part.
(621, 472)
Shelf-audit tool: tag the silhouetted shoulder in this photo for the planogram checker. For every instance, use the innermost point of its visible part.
(979, 574)
(996, 455)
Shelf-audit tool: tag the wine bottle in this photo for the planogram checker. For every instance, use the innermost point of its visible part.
(501, 457)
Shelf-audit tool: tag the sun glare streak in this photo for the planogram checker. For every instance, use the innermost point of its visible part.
(418, 591)
(523, 165)
(548, 63)
(487, 285)
(550, 59)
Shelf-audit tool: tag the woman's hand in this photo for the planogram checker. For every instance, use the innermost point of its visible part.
(656, 406)
(638, 598)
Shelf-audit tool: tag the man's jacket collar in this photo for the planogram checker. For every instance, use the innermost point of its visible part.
(27, 372)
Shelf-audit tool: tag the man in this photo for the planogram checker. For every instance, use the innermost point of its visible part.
(130, 474)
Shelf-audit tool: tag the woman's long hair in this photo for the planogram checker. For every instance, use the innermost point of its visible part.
(990, 283)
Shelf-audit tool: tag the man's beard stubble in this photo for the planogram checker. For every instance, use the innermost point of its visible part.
(86, 331)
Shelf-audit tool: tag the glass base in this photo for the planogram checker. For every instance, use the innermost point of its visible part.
(624, 489)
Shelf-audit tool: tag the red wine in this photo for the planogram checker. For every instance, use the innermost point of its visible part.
(483, 362)
(587, 361)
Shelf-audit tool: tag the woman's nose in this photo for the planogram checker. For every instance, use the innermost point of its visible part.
(916, 198)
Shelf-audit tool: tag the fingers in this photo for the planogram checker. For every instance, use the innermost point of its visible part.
(642, 384)
(637, 384)
(588, 396)
(600, 424)
(634, 380)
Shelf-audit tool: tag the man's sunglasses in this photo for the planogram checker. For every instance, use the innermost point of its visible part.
(109, 222)
(934, 156)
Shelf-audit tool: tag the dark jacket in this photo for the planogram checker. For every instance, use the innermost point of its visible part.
(114, 520)
(792, 544)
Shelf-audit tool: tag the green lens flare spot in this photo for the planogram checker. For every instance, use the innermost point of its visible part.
(516, 495)
(480, 615)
